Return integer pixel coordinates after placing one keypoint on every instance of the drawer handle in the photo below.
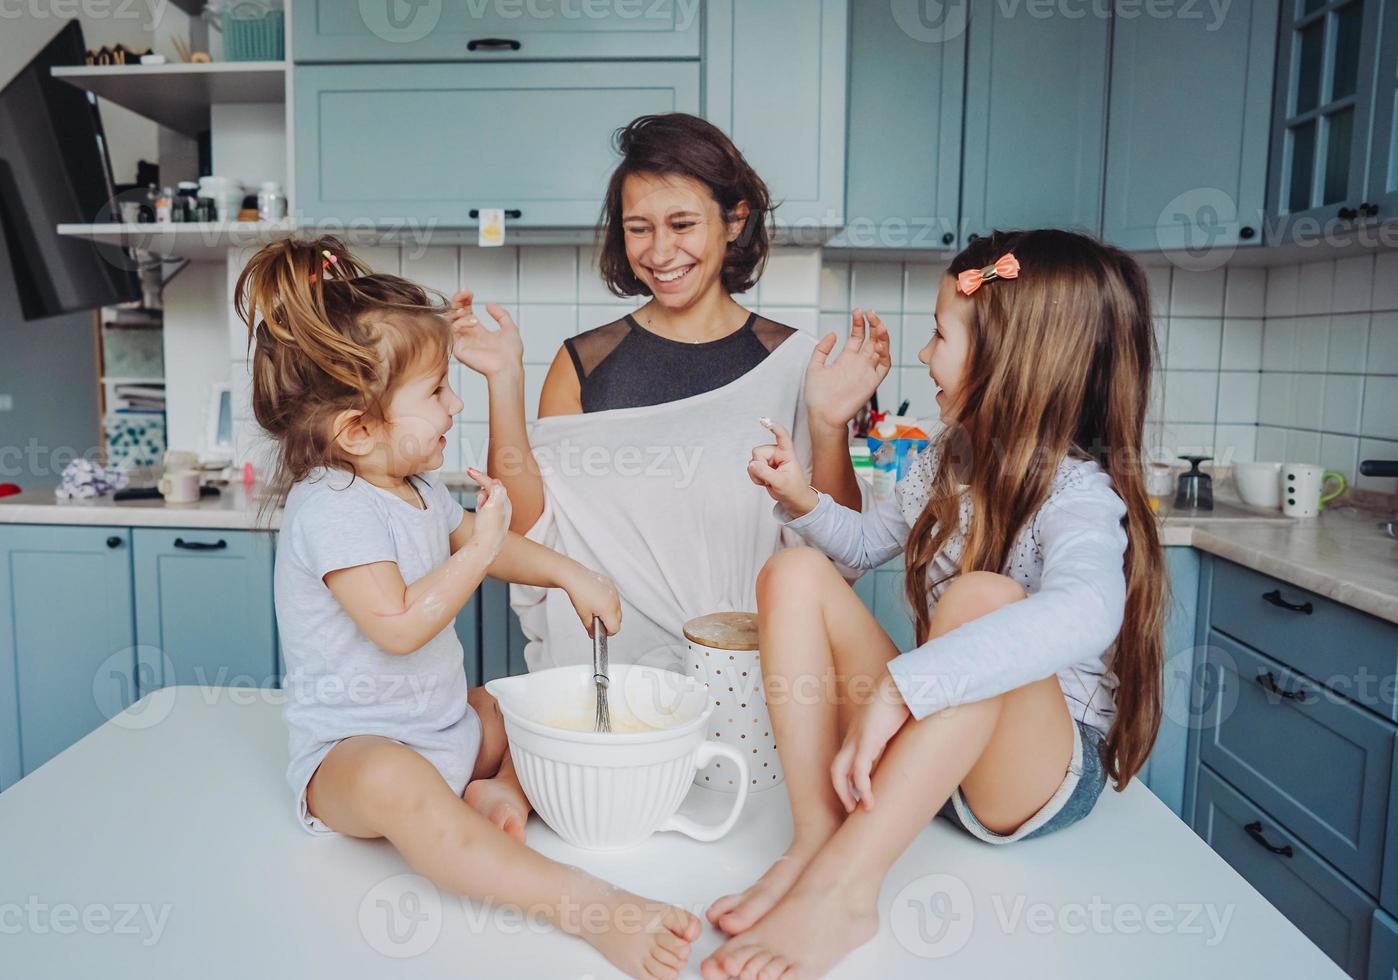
(218, 545)
(512, 213)
(1268, 681)
(493, 44)
(1254, 830)
(1275, 598)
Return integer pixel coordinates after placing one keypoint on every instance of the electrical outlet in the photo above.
(7, 403)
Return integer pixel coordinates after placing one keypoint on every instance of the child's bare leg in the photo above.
(375, 787)
(822, 652)
(494, 791)
(1008, 753)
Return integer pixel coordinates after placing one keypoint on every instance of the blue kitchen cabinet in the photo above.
(1332, 116)
(891, 607)
(533, 138)
(67, 638)
(1383, 947)
(906, 93)
(785, 111)
(1382, 192)
(1035, 124)
(1165, 770)
(204, 612)
(1187, 149)
(1388, 891)
(471, 30)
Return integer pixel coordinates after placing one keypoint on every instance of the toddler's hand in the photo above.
(492, 523)
(481, 349)
(777, 470)
(594, 596)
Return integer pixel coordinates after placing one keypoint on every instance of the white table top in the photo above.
(176, 813)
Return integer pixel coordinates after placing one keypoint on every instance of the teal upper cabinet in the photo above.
(493, 30)
(774, 80)
(204, 610)
(1035, 130)
(1324, 115)
(535, 139)
(1187, 147)
(1383, 166)
(906, 91)
(67, 641)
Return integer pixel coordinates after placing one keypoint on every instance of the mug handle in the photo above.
(164, 486)
(1325, 478)
(703, 755)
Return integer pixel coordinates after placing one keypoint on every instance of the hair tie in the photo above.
(1006, 267)
(329, 260)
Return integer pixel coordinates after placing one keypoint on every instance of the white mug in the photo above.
(1303, 488)
(740, 718)
(179, 486)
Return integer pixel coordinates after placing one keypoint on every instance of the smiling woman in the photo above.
(686, 378)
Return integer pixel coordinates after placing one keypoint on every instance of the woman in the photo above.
(631, 466)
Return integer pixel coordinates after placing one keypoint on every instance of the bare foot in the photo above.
(803, 936)
(738, 913)
(644, 939)
(501, 802)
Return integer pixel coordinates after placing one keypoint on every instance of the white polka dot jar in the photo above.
(723, 653)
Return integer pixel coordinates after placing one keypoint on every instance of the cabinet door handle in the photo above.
(1254, 830)
(114, 542)
(1369, 210)
(1247, 232)
(1347, 214)
(1275, 598)
(1269, 681)
(948, 238)
(512, 213)
(493, 44)
(218, 545)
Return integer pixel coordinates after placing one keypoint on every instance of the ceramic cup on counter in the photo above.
(723, 653)
(1303, 490)
(1259, 484)
(612, 790)
(179, 486)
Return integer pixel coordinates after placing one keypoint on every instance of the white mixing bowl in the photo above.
(610, 791)
(1259, 484)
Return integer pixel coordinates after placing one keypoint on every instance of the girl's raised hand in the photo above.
(873, 726)
(776, 469)
(836, 390)
(492, 522)
(485, 351)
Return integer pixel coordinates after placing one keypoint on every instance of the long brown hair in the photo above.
(677, 143)
(327, 336)
(1058, 363)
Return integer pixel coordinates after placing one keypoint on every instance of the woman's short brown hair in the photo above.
(687, 146)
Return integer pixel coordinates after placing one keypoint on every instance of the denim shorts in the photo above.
(1073, 800)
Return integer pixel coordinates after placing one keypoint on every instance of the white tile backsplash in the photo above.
(791, 278)
(1193, 342)
(1242, 345)
(544, 327)
(1354, 284)
(1197, 294)
(1246, 293)
(877, 286)
(1315, 290)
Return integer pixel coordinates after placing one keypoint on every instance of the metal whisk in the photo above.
(599, 675)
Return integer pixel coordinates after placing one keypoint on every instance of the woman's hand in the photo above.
(485, 351)
(777, 470)
(873, 726)
(594, 597)
(492, 523)
(836, 390)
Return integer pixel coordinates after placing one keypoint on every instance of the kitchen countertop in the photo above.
(164, 843)
(1342, 554)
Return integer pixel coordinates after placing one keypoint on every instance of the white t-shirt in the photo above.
(1069, 559)
(338, 682)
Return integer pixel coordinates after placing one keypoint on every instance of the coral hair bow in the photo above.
(1006, 267)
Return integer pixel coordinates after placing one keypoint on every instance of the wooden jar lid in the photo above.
(724, 631)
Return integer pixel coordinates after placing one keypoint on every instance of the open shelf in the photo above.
(178, 96)
(196, 241)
